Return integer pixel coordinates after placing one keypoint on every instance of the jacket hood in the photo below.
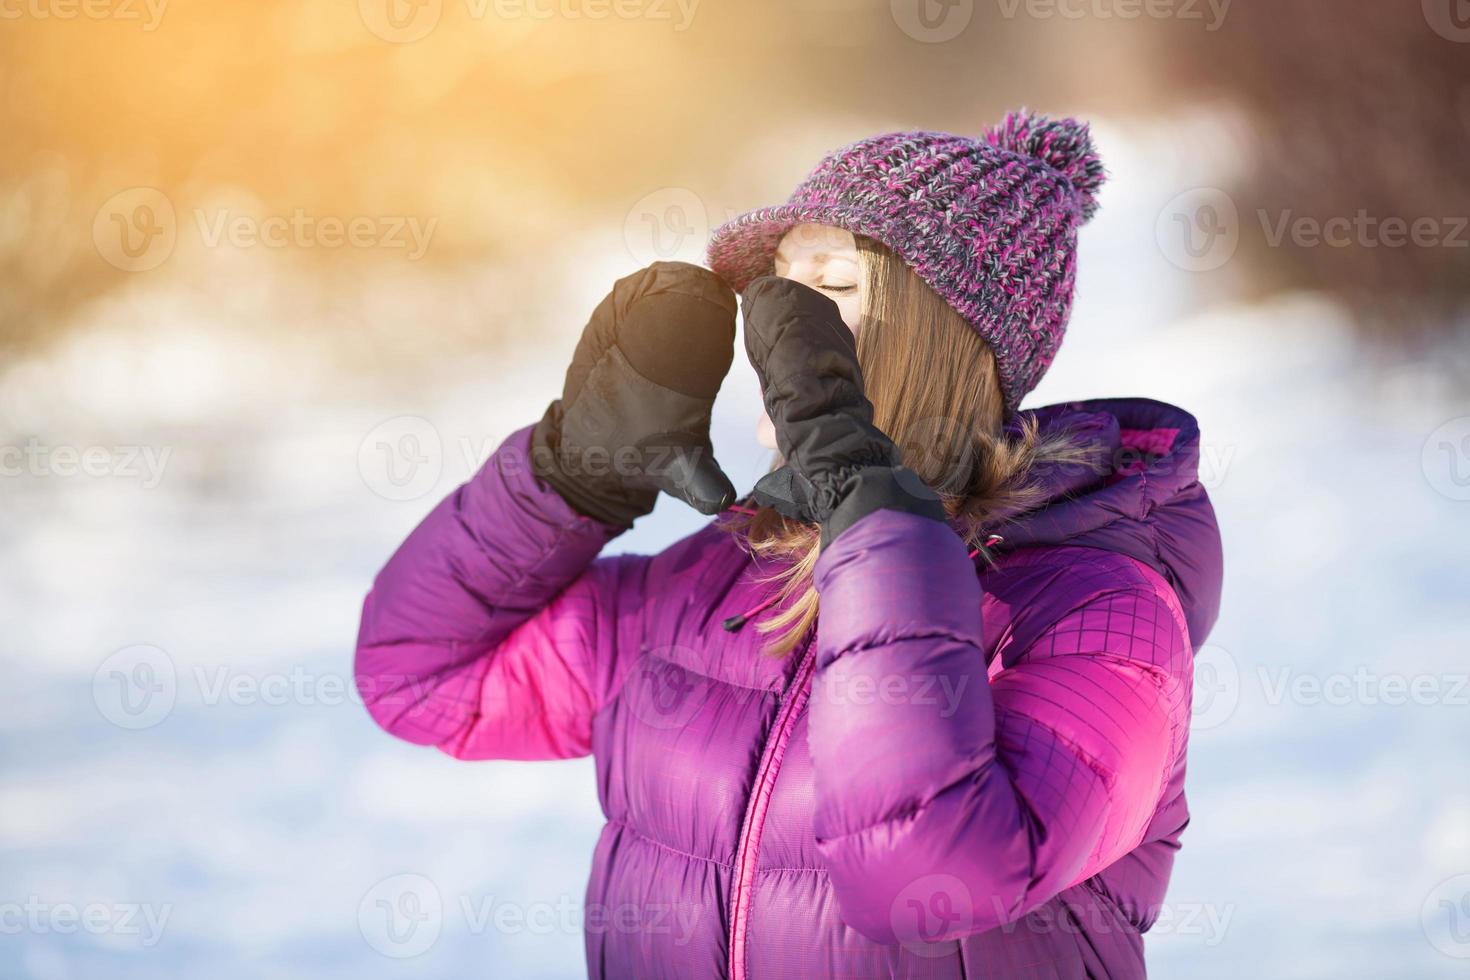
(1144, 500)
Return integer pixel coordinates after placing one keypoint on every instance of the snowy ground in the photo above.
(190, 790)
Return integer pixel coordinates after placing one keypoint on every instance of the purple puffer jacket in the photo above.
(972, 771)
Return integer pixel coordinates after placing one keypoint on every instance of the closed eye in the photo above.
(839, 289)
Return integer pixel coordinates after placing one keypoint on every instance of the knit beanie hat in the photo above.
(990, 224)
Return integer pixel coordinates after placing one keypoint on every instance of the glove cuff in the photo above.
(877, 488)
(608, 501)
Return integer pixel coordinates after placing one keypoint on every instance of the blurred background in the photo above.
(276, 276)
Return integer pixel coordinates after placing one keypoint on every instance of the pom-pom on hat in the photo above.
(990, 224)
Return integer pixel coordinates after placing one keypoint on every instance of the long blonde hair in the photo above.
(934, 388)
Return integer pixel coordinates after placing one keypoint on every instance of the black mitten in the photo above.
(634, 414)
(838, 466)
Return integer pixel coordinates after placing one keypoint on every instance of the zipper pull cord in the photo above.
(990, 542)
(735, 622)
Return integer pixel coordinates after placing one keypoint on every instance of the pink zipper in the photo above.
(748, 849)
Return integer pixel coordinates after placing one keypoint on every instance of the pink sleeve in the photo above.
(982, 797)
(492, 631)
(1090, 724)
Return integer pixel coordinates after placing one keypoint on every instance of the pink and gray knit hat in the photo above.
(990, 224)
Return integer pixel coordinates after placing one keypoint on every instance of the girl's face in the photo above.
(826, 259)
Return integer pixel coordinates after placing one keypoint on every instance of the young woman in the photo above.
(916, 708)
